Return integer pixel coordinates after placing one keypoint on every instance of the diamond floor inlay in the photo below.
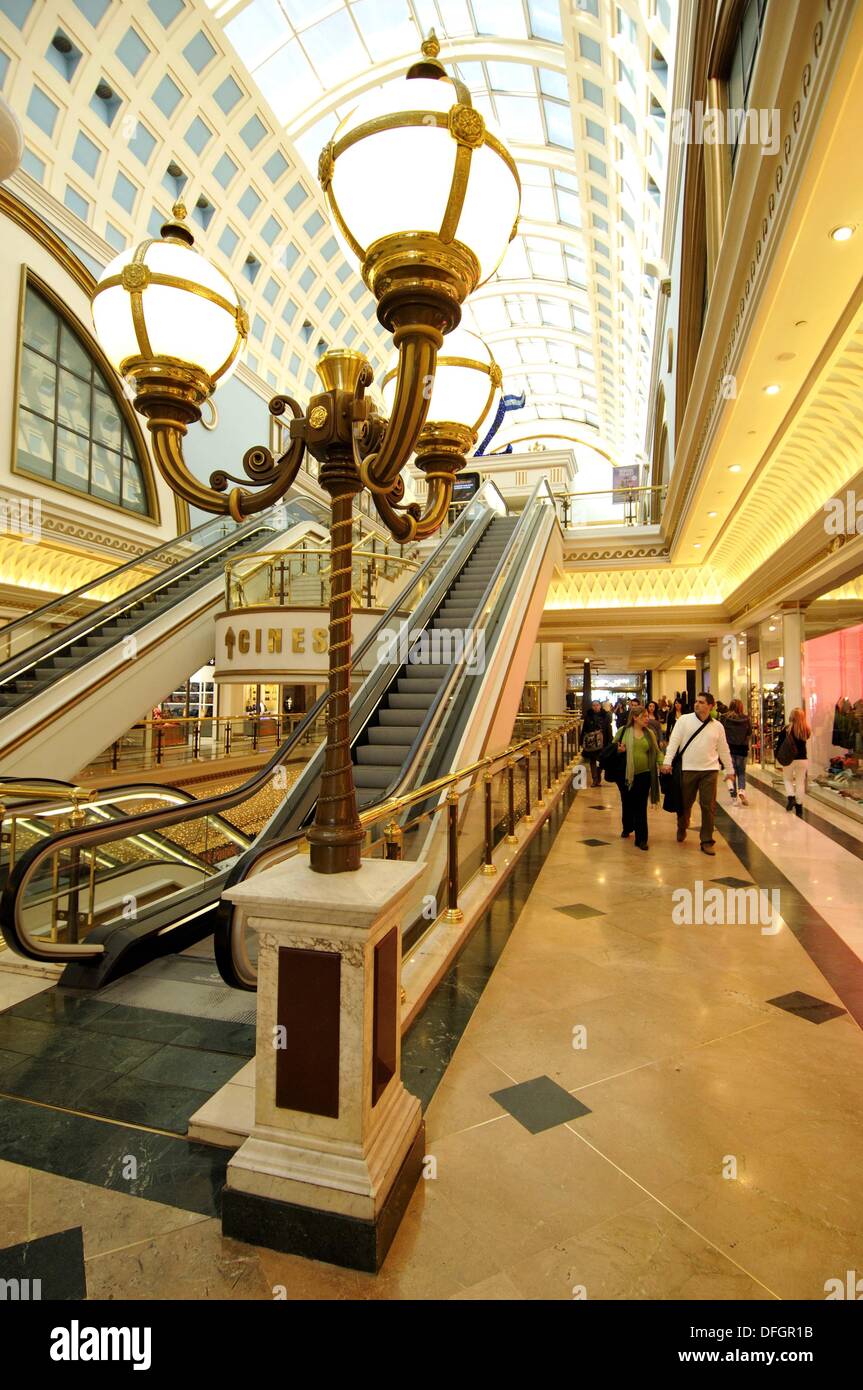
(580, 910)
(807, 1006)
(539, 1104)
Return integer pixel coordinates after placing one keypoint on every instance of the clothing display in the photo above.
(843, 776)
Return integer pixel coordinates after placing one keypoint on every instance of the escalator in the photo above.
(425, 698)
(67, 668)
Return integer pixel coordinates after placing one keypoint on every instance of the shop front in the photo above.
(833, 686)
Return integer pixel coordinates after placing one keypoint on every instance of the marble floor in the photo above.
(625, 1115)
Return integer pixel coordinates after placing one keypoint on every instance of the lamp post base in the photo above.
(337, 1144)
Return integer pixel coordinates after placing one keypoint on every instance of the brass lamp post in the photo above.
(414, 157)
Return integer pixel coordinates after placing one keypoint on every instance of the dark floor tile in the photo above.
(52, 1083)
(149, 1025)
(729, 881)
(140, 1102)
(88, 1049)
(58, 1006)
(594, 843)
(9, 1059)
(596, 808)
(807, 1006)
(24, 1035)
(217, 1036)
(581, 910)
(190, 1067)
(539, 1104)
(55, 1261)
(173, 1171)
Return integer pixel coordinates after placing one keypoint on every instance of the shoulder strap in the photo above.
(701, 726)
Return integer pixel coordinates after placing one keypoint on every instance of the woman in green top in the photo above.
(640, 780)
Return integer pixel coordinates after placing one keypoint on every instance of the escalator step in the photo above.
(410, 701)
(402, 719)
(395, 734)
(381, 755)
(378, 778)
(415, 685)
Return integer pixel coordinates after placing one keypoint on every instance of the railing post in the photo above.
(158, 745)
(555, 738)
(547, 741)
(453, 912)
(511, 837)
(227, 738)
(394, 838)
(197, 740)
(488, 867)
(255, 723)
(527, 817)
(539, 799)
(115, 754)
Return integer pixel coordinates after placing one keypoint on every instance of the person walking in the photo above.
(701, 741)
(738, 731)
(640, 778)
(675, 712)
(595, 735)
(654, 723)
(798, 730)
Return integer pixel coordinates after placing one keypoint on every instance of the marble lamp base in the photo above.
(338, 1143)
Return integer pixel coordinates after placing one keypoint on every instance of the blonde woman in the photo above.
(639, 779)
(798, 731)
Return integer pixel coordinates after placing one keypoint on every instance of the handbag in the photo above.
(612, 760)
(592, 741)
(672, 800)
(786, 752)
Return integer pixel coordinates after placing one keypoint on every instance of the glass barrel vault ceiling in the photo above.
(581, 91)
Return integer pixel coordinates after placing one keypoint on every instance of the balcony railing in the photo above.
(626, 506)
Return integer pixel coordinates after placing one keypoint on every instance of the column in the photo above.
(554, 674)
(337, 1146)
(792, 653)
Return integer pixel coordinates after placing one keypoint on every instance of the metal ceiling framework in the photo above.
(580, 92)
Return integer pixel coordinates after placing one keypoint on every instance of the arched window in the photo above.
(72, 428)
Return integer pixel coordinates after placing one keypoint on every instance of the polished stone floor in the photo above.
(632, 1109)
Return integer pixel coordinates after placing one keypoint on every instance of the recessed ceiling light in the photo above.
(734, 468)
(844, 233)
(772, 390)
(711, 514)
(697, 545)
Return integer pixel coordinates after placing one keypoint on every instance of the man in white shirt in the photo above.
(701, 762)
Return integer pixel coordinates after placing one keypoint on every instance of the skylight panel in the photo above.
(386, 27)
(537, 205)
(553, 84)
(559, 123)
(534, 176)
(473, 76)
(303, 13)
(515, 265)
(569, 208)
(456, 18)
(502, 18)
(520, 119)
(257, 31)
(545, 20)
(507, 354)
(288, 82)
(512, 77)
(335, 49)
(532, 349)
(554, 312)
(490, 315)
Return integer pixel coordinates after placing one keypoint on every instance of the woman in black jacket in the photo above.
(738, 731)
(798, 730)
(595, 735)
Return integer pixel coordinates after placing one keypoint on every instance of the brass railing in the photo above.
(184, 739)
(642, 506)
(515, 784)
(301, 575)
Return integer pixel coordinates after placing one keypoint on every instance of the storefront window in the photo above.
(833, 684)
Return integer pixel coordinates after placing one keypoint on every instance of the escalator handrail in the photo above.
(55, 642)
(91, 836)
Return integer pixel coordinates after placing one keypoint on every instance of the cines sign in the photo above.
(275, 644)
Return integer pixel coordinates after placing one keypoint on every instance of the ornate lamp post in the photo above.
(425, 197)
